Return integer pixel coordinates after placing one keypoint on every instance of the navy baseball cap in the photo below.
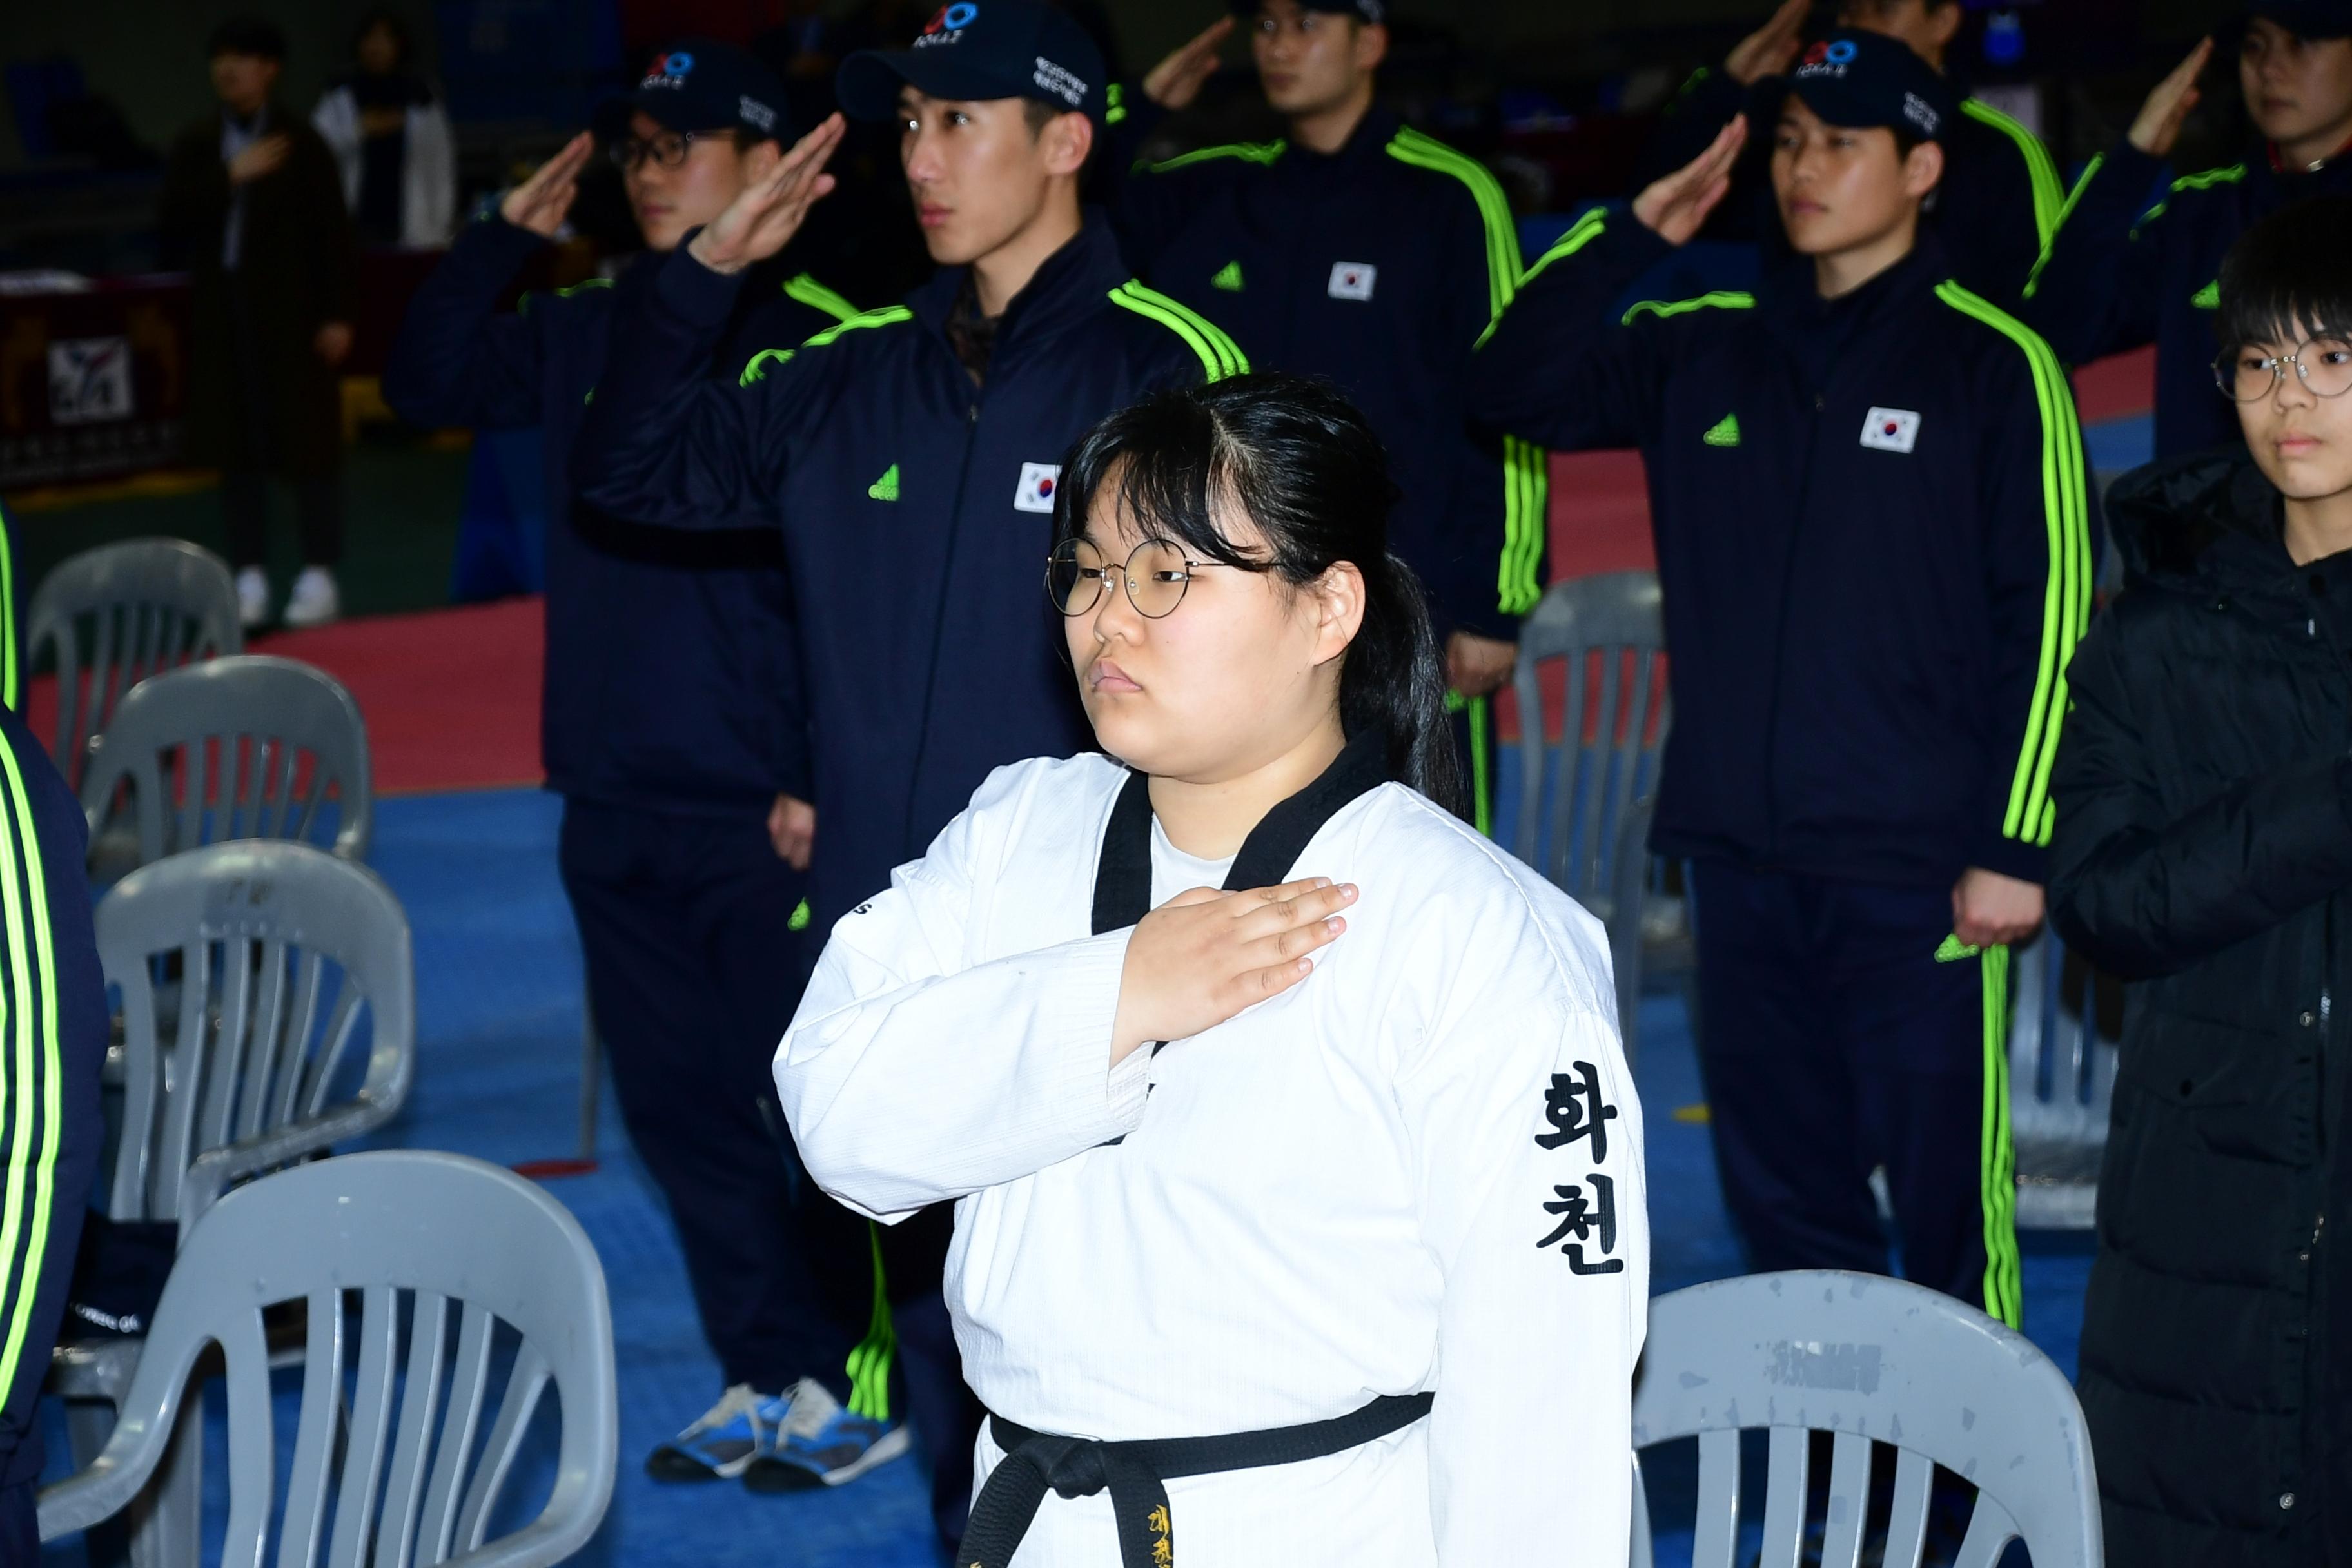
(2303, 19)
(982, 50)
(701, 84)
(1860, 80)
(1369, 12)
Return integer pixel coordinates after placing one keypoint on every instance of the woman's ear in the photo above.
(1338, 600)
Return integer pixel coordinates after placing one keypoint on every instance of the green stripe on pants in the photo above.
(2003, 1290)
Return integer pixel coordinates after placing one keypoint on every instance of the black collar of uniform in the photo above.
(1789, 306)
(1123, 875)
(1068, 286)
(1366, 145)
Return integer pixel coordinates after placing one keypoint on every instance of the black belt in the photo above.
(1134, 1473)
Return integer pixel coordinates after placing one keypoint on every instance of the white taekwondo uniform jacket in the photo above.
(1419, 1169)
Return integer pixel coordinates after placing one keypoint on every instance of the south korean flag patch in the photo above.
(1037, 483)
(1890, 429)
(1353, 280)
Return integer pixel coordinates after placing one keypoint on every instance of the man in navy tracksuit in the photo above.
(1358, 249)
(673, 727)
(1868, 495)
(53, 1032)
(2121, 273)
(1997, 205)
(910, 455)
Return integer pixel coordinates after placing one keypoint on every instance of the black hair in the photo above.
(2284, 280)
(256, 36)
(1294, 454)
(391, 21)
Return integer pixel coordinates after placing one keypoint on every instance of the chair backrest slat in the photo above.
(243, 747)
(1907, 1525)
(1849, 1505)
(1716, 1542)
(148, 604)
(252, 1446)
(1785, 1486)
(525, 1384)
(470, 1382)
(265, 1026)
(420, 1402)
(317, 1434)
(368, 1435)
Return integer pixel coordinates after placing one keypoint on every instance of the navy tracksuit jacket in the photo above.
(2121, 274)
(1376, 266)
(916, 511)
(1872, 541)
(53, 1034)
(671, 718)
(1994, 210)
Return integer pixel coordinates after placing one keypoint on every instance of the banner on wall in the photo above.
(93, 382)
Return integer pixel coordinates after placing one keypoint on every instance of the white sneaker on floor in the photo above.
(252, 596)
(314, 601)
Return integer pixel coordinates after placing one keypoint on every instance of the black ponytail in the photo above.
(1296, 457)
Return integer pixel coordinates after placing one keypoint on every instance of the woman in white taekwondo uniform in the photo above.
(1295, 1235)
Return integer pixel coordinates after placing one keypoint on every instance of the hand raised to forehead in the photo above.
(763, 220)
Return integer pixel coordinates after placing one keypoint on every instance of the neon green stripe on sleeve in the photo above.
(2041, 174)
(2066, 597)
(756, 369)
(818, 297)
(1720, 300)
(1220, 355)
(1410, 146)
(1248, 151)
(33, 1108)
(2090, 171)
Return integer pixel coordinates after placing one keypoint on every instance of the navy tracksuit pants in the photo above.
(1845, 1030)
(694, 973)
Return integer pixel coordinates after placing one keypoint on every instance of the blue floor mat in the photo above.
(500, 1021)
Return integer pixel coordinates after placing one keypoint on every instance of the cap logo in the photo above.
(1060, 82)
(1826, 58)
(1919, 112)
(670, 70)
(953, 18)
(754, 112)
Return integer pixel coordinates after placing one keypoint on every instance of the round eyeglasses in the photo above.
(2246, 375)
(1157, 572)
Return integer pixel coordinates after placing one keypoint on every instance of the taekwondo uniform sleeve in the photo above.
(667, 443)
(1554, 368)
(2095, 291)
(2038, 556)
(457, 360)
(908, 1078)
(1541, 1231)
(53, 1034)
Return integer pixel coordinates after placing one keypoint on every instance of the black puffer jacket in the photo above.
(2204, 850)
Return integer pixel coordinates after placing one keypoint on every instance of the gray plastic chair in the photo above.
(467, 1246)
(116, 614)
(231, 1069)
(243, 747)
(2062, 1081)
(1872, 1360)
(1610, 626)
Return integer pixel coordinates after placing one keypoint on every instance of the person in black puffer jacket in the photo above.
(2203, 853)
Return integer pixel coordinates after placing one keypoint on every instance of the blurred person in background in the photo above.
(2122, 273)
(391, 140)
(1362, 251)
(1998, 202)
(673, 726)
(1872, 532)
(2204, 855)
(252, 206)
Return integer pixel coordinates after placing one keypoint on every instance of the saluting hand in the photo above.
(1769, 49)
(539, 202)
(259, 158)
(1674, 208)
(1178, 80)
(1204, 955)
(763, 219)
(2158, 125)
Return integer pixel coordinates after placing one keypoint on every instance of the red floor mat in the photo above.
(451, 696)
